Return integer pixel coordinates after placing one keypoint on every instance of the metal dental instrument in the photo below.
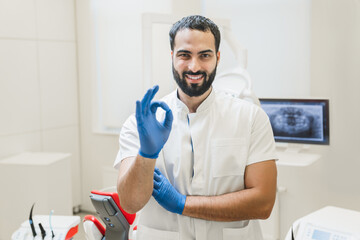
(43, 232)
(31, 221)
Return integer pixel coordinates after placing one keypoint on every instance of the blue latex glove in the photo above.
(153, 134)
(166, 195)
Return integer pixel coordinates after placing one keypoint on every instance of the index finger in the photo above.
(155, 90)
(146, 101)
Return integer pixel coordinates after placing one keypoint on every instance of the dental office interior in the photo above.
(71, 72)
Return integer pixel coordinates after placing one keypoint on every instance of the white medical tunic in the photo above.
(206, 154)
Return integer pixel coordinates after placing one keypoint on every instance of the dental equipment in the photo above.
(328, 223)
(116, 220)
(32, 222)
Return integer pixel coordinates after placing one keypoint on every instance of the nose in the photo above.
(194, 65)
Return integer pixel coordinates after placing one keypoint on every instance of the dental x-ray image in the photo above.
(303, 121)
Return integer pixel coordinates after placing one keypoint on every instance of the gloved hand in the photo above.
(153, 134)
(166, 195)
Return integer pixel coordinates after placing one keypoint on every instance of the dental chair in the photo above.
(117, 221)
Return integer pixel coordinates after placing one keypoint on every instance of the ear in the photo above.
(218, 56)
(172, 55)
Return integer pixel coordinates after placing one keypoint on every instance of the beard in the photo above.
(194, 89)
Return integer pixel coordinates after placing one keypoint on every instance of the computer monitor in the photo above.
(298, 120)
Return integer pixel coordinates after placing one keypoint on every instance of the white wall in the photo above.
(38, 81)
(336, 73)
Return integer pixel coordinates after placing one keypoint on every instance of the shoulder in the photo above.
(238, 109)
(228, 102)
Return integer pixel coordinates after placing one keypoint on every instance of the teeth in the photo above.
(194, 77)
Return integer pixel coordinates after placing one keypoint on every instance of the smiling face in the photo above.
(194, 61)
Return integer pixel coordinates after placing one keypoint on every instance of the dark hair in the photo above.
(195, 22)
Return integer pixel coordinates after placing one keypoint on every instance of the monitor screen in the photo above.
(298, 120)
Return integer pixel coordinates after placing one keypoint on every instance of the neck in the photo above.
(193, 102)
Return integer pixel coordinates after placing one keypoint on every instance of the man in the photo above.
(203, 168)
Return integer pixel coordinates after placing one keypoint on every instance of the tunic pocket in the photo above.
(147, 233)
(228, 156)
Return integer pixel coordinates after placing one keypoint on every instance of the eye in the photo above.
(184, 55)
(205, 55)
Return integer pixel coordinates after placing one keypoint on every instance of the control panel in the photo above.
(312, 232)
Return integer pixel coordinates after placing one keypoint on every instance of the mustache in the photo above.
(196, 73)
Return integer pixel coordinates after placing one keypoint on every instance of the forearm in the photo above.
(242, 205)
(254, 202)
(135, 182)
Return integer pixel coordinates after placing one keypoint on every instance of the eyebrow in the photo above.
(201, 52)
(206, 51)
(183, 51)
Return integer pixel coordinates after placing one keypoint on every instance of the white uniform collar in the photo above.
(203, 106)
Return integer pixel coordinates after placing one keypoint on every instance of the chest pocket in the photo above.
(228, 156)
